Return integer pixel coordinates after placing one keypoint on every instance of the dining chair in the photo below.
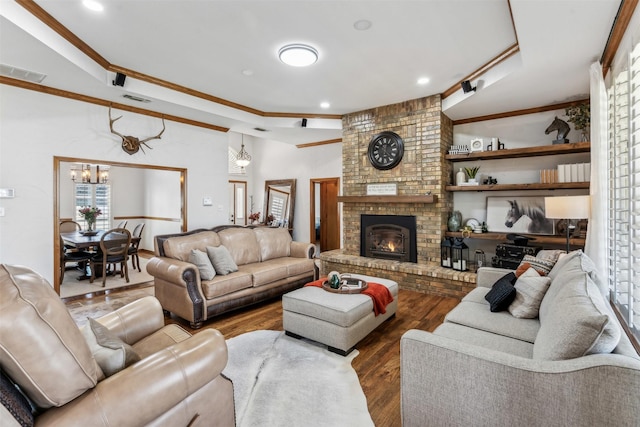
(68, 226)
(136, 237)
(123, 224)
(79, 257)
(114, 249)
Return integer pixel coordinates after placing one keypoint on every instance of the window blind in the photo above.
(624, 190)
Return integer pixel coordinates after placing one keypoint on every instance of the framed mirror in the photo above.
(279, 202)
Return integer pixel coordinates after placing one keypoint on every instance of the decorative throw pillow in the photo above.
(111, 353)
(578, 323)
(221, 260)
(502, 293)
(524, 266)
(15, 402)
(530, 289)
(550, 254)
(542, 266)
(202, 261)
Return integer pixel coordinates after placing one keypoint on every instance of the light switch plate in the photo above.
(7, 193)
(206, 201)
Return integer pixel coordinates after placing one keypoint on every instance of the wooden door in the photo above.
(324, 207)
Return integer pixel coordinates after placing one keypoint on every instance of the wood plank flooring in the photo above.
(377, 365)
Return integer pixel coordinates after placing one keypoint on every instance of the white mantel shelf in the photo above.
(387, 199)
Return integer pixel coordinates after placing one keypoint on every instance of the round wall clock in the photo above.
(476, 145)
(385, 150)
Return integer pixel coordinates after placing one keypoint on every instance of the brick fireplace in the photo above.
(427, 135)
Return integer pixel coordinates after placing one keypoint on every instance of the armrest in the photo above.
(146, 390)
(487, 276)
(136, 320)
(302, 250)
(173, 270)
(445, 381)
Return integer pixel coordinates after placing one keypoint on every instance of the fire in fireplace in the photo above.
(389, 237)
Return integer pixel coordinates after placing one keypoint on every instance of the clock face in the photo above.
(477, 145)
(385, 150)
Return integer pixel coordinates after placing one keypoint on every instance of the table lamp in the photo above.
(567, 208)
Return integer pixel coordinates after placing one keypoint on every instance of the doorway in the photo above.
(238, 202)
(325, 218)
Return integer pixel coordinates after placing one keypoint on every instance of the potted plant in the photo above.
(254, 217)
(580, 116)
(471, 173)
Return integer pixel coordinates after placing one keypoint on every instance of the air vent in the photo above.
(136, 98)
(19, 73)
(261, 129)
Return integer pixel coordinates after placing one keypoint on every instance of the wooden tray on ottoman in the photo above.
(349, 286)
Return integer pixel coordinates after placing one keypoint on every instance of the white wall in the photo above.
(35, 127)
(276, 160)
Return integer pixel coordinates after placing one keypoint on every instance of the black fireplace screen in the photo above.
(390, 237)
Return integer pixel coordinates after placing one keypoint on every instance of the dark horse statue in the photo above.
(539, 223)
(563, 129)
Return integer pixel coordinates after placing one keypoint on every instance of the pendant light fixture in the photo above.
(243, 159)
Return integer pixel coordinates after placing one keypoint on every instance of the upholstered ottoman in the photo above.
(337, 320)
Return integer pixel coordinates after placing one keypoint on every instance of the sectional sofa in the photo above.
(269, 264)
(572, 365)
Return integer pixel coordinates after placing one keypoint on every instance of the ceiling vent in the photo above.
(19, 73)
(136, 98)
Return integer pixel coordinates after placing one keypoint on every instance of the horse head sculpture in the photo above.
(563, 129)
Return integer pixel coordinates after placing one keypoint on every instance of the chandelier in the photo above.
(243, 158)
(86, 175)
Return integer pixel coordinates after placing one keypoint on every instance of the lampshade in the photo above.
(567, 207)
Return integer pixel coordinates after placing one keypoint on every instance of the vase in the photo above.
(90, 225)
(455, 221)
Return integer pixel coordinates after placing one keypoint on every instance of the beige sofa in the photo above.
(562, 368)
(269, 264)
(61, 368)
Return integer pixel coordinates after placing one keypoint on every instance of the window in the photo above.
(98, 195)
(624, 190)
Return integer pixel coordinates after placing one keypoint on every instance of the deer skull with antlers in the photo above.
(131, 144)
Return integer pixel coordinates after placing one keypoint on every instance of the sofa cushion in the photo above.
(266, 272)
(578, 323)
(569, 268)
(44, 352)
(477, 316)
(202, 261)
(223, 285)
(502, 293)
(221, 260)
(485, 339)
(242, 245)
(274, 242)
(111, 353)
(180, 247)
(530, 289)
(542, 266)
(477, 295)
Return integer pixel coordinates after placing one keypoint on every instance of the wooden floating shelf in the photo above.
(539, 239)
(387, 199)
(544, 150)
(509, 187)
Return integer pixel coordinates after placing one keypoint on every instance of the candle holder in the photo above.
(459, 255)
(445, 252)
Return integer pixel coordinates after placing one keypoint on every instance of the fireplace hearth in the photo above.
(391, 237)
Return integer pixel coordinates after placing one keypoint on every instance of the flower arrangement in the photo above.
(90, 214)
(472, 172)
(579, 115)
(270, 219)
(255, 216)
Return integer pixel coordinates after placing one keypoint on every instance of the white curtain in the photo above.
(595, 246)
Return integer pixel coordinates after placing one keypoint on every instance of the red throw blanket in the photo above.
(379, 294)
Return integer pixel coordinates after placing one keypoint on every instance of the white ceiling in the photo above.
(206, 46)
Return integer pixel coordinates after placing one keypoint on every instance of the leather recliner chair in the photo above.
(177, 380)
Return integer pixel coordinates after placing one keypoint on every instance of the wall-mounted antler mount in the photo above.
(131, 144)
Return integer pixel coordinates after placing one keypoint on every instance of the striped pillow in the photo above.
(542, 266)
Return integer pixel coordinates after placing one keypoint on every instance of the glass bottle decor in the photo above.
(460, 177)
(455, 221)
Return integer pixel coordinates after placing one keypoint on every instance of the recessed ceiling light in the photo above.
(362, 25)
(247, 72)
(325, 105)
(93, 5)
(423, 80)
(298, 55)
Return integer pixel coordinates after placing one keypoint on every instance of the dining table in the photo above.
(83, 241)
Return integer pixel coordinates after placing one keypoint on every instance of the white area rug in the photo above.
(72, 287)
(283, 381)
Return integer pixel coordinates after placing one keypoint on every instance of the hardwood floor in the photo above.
(377, 365)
